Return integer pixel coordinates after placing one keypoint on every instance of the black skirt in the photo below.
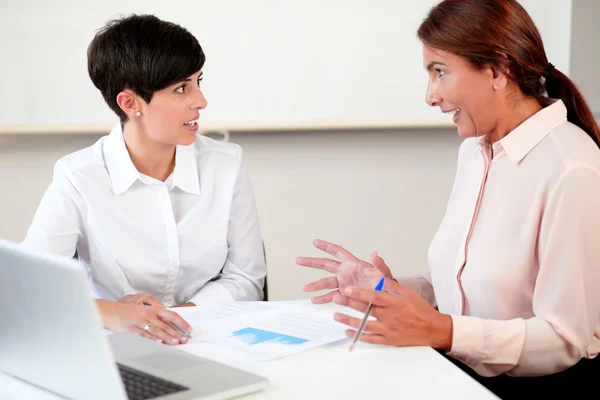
(571, 383)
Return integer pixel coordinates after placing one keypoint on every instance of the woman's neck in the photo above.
(149, 157)
(512, 116)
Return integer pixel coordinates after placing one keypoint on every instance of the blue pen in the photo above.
(364, 321)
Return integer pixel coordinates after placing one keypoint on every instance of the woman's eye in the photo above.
(440, 73)
(199, 81)
(180, 89)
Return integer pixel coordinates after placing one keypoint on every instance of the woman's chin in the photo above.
(187, 139)
(466, 132)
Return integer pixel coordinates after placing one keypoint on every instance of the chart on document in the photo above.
(254, 336)
(268, 332)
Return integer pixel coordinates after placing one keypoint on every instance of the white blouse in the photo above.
(195, 237)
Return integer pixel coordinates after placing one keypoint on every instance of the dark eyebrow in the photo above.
(189, 79)
(433, 64)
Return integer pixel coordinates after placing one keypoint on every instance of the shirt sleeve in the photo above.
(56, 225)
(565, 299)
(243, 274)
(420, 284)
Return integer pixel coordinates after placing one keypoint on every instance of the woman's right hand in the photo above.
(150, 322)
(348, 271)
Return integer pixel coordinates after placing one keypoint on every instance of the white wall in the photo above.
(313, 61)
(380, 191)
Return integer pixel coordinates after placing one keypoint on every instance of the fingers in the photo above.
(370, 296)
(151, 321)
(164, 332)
(367, 337)
(140, 298)
(380, 264)
(337, 251)
(141, 332)
(160, 324)
(394, 287)
(370, 326)
(376, 258)
(129, 299)
(377, 261)
(322, 284)
(362, 264)
(150, 299)
(340, 299)
(356, 265)
(174, 318)
(355, 304)
(320, 263)
(137, 298)
(326, 298)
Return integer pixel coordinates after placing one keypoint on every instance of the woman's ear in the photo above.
(499, 74)
(129, 102)
(499, 78)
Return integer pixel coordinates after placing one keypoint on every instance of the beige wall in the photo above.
(382, 191)
(585, 50)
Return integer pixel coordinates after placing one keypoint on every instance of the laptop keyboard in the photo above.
(142, 386)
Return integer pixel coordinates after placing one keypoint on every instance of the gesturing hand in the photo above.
(402, 317)
(347, 271)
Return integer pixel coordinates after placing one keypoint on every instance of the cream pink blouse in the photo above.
(516, 259)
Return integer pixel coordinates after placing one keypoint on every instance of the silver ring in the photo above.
(147, 327)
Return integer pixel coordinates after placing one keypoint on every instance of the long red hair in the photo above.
(500, 34)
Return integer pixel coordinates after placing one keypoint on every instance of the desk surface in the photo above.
(331, 371)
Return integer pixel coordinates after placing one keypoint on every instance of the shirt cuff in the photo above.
(477, 341)
(212, 293)
(468, 337)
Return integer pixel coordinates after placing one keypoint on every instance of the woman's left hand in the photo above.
(402, 317)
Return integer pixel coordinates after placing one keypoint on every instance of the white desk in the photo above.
(369, 371)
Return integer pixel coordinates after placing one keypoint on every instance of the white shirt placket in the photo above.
(172, 249)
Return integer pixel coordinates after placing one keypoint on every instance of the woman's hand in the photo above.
(150, 322)
(188, 304)
(402, 317)
(140, 298)
(347, 271)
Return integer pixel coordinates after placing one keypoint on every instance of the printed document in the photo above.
(262, 330)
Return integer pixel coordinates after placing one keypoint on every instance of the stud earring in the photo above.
(138, 114)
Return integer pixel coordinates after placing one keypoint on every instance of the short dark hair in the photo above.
(141, 53)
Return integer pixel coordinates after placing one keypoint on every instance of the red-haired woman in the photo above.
(513, 288)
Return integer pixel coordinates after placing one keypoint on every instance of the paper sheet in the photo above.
(199, 316)
(261, 330)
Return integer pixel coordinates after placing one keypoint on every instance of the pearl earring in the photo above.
(138, 114)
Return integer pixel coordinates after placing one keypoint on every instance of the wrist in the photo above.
(106, 309)
(442, 333)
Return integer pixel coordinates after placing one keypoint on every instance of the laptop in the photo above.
(51, 336)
